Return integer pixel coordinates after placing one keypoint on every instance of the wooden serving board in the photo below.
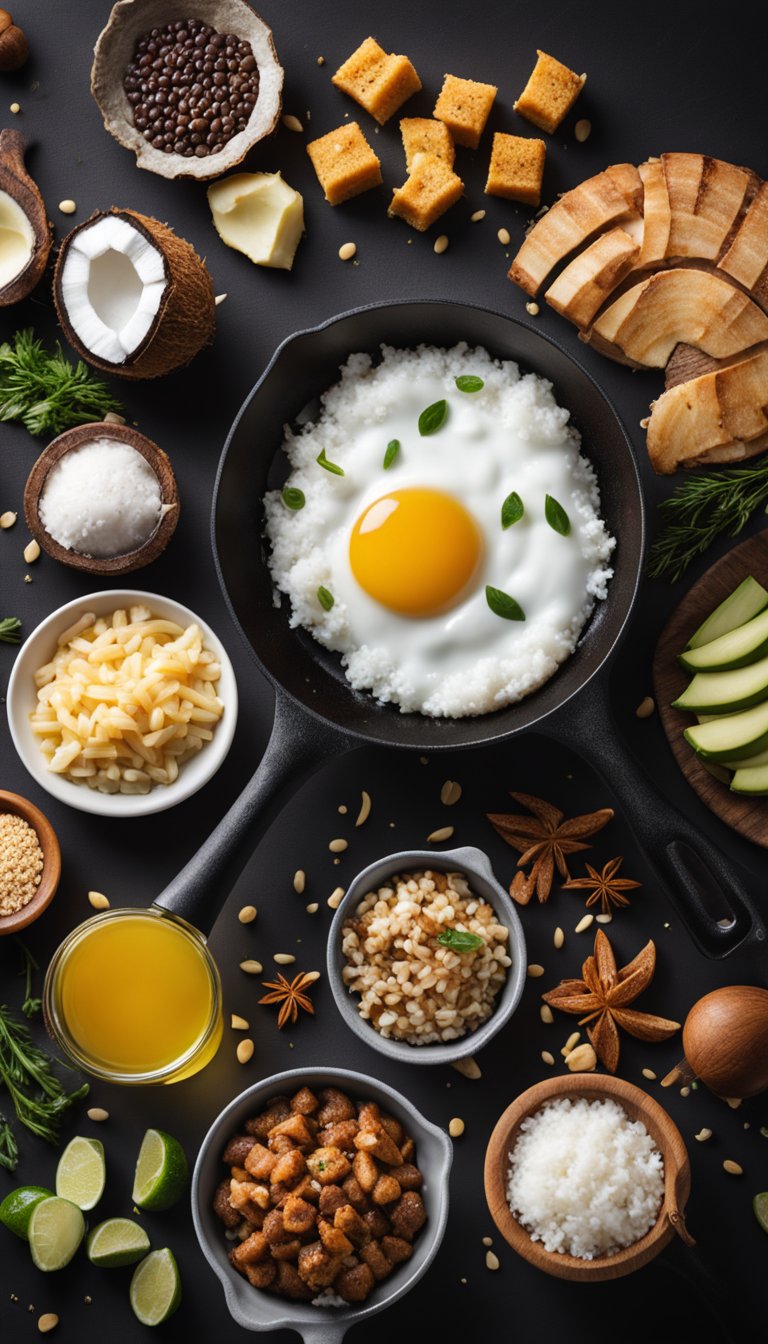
(748, 816)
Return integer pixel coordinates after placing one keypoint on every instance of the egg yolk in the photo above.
(415, 551)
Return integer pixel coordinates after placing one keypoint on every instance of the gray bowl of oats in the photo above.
(426, 955)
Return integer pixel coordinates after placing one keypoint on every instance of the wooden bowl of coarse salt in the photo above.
(102, 498)
(30, 862)
(566, 1207)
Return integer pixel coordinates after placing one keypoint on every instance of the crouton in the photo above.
(299, 1217)
(516, 168)
(379, 1145)
(345, 166)
(354, 1193)
(377, 1223)
(393, 1128)
(373, 1256)
(332, 1197)
(396, 1249)
(259, 1162)
(274, 1228)
(365, 1171)
(305, 1102)
(550, 93)
(355, 1284)
(237, 1150)
(316, 1267)
(288, 1169)
(408, 1176)
(464, 106)
(260, 1125)
(222, 1207)
(254, 1248)
(425, 135)
(334, 1106)
(408, 1215)
(296, 1128)
(386, 1190)
(379, 82)
(261, 1275)
(369, 1115)
(329, 1166)
(341, 1135)
(333, 1239)
(290, 1283)
(430, 190)
(248, 1197)
(286, 1250)
(348, 1221)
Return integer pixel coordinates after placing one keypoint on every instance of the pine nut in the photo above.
(582, 129)
(646, 708)
(67, 207)
(559, 937)
(311, 977)
(284, 958)
(648, 1073)
(251, 967)
(31, 552)
(321, 60)
(535, 970)
(456, 1127)
(487, 1241)
(15, 109)
(342, 809)
(97, 1114)
(299, 880)
(467, 1067)
(703, 1135)
(220, 299)
(442, 833)
(98, 900)
(238, 1023)
(312, 908)
(605, 918)
(477, 216)
(7, 519)
(338, 846)
(441, 244)
(47, 1322)
(247, 914)
(504, 237)
(245, 1050)
(492, 1260)
(450, 793)
(548, 1057)
(732, 1168)
(365, 809)
(733, 1102)
(336, 897)
(347, 251)
(685, 1091)
(546, 1014)
(582, 1059)
(533, 308)
(571, 1043)
(292, 123)
(584, 923)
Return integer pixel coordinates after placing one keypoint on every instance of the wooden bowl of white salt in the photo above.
(583, 1176)
(102, 498)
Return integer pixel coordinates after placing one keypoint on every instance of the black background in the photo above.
(660, 78)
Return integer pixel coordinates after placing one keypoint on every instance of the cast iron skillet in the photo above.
(317, 714)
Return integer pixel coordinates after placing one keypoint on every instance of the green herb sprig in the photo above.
(393, 448)
(31, 1005)
(433, 418)
(325, 598)
(333, 467)
(702, 509)
(469, 382)
(512, 510)
(503, 605)
(556, 516)
(9, 630)
(45, 392)
(39, 1097)
(459, 940)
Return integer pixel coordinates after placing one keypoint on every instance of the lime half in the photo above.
(82, 1173)
(162, 1172)
(117, 1241)
(759, 1204)
(56, 1229)
(156, 1288)
(17, 1208)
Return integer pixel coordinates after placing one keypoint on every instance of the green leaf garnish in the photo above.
(9, 630)
(459, 941)
(329, 466)
(325, 598)
(469, 382)
(512, 510)
(293, 498)
(393, 448)
(47, 393)
(556, 516)
(433, 418)
(503, 605)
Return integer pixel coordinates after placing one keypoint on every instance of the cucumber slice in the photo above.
(726, 692)
(760, 758)
(752, 779)
(732, 738)
(739, 607)
(740, 647)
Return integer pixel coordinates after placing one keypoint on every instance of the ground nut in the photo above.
(292, 123)
(32, 551)
(492, 1260)
(48, 1321)
(456, 1127)
(98, 900)
(247, 914)
(582, 1060)
(584, 923)
(535, 970)
(646, 708)
(299, 880)
(503, 236)
(245, 1050)
(8, 518)
(97, 1114)
(442, 833)
(336, 897)
(558, 938)
(733, 1168)
(238, 1023)
(347, 251)
(251, 967)
(440, 244)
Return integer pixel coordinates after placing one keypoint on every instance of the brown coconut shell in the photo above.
(128, 21)
(15, 180)
(186, 318)
(169, 494)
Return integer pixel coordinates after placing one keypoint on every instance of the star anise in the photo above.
(544, 840)
(606, 887)
(290, 995)
(602, 996)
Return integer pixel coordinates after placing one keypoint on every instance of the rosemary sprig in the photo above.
(44, 391)
(9, 1148)
(702, 509)
(39, 1097)
(9, 630)
(31, 1004)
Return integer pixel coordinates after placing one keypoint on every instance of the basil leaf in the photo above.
(503, 605)
(469, 382)
(459, 941)
(329, 466)
(393, 448)
(556, 516)
(325, 598)
(293, 498)
(512, 510)
(433, 418)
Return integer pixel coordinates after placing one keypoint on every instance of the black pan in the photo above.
(318, 715)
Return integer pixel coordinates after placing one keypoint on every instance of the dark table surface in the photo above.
(659, 79)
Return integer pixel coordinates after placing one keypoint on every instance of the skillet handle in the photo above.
(324, 1332)
(673, 844)
(297, 745)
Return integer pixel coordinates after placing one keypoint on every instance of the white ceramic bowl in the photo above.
(22, 698)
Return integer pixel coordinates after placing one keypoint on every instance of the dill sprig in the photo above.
(702, 509)
(44, 391)
(9, 630)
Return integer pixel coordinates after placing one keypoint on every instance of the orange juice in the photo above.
(133, 995)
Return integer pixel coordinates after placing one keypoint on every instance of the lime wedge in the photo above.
(162, 1172)
(81, 1173)
(17, 1207)
(56, 1229)
(156, 1288)
(760, 1205)
(117, 1241)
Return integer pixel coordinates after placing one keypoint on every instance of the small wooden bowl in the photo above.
(49, 878)
(113, 564)
(666, 1136)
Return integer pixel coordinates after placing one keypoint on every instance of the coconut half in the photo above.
(128, 21)
(132, 297)
(25, 234)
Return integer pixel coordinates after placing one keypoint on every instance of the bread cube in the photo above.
(345, 163)
(379, 82)
(516, 168)
(464, 106)
(550, 93)
(424, 135)
(427, 193)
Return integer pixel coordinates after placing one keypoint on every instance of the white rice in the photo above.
(584, 1179)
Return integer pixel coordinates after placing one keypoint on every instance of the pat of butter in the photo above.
(260, 215)
(17, 239)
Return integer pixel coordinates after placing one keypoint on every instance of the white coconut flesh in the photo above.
(112, 284)
(17, 239)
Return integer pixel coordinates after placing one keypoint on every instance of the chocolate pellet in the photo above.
(191, 89)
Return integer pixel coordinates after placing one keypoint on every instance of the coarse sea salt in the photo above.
(101, 499)
(584, 1179)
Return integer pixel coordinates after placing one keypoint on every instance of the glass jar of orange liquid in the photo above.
(134, 996)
